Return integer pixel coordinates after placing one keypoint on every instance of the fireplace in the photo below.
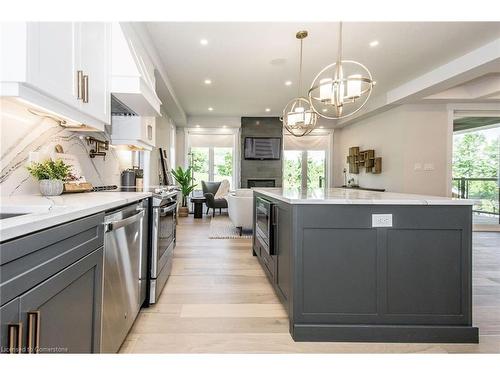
(261, 182)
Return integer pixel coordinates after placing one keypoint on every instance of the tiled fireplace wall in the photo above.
(261, 169)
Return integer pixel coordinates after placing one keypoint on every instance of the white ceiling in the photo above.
(239, 58)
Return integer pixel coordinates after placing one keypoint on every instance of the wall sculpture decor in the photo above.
(366, 159)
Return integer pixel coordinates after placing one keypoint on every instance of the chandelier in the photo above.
(298, 116)
(341, 89)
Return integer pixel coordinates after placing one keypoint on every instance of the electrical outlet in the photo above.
(381, 220)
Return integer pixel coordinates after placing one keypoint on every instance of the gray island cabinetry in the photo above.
(368, 266)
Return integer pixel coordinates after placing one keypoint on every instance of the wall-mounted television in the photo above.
(262, 148)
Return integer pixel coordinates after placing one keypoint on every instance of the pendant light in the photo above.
(298, 116)
(341, 89)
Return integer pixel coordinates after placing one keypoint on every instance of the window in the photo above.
(305, 161)
(212, 157)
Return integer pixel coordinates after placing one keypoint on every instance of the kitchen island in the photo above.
(352, 265)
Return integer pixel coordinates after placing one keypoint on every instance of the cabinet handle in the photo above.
(79, 84)
(15, 337)
(85, 88)
(34, 332)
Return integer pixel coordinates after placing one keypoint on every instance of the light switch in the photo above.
(381, 220)
(417, 166)
(428, 166)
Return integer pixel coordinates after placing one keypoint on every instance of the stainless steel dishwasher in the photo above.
(123, 249)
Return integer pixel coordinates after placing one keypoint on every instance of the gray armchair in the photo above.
(209, 190)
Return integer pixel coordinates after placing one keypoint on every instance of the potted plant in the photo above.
(50, 175)
(185, 180)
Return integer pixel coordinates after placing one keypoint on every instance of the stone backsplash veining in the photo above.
(22, 133)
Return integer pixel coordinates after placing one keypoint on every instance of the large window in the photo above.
(212, 157)
(305, 162)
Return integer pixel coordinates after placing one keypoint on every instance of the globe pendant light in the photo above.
(298, 116)
(341, 89)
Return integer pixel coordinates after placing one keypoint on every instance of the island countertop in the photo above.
(44, 212)
(350, 196)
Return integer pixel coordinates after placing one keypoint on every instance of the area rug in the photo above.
(221, 227)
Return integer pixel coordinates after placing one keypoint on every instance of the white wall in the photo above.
(213, 122)
(403, 136)
(163, 134)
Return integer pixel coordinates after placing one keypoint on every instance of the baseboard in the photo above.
(406, 334)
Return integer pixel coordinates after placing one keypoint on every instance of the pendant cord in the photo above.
(300, 69)
(340, 43)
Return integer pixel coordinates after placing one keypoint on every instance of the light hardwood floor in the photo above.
(218, 300)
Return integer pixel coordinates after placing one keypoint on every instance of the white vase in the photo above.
(51, 187)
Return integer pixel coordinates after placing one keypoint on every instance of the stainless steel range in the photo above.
(163, 223)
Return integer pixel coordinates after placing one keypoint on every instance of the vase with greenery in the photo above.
(185, 180)
(50, 175)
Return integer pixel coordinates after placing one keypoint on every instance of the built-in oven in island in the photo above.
(163, 228)
(264, 213)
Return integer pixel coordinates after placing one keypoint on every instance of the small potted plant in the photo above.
(185, 180)
(50, 175)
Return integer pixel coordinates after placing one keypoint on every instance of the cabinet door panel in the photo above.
(9, 314)
(51, 59)
(94, 42)
(340, 274)
(69, 306)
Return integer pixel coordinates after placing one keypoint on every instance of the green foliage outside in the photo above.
(226, 169)
(50, 170)
(293, 169)
(223, 168)
(474, 156)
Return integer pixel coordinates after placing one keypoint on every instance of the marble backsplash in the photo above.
(22, 133)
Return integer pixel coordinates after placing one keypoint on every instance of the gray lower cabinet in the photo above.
(51, 289)
(63, 314)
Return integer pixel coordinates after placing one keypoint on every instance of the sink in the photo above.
(9, 215)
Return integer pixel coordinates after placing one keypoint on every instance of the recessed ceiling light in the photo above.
(203, 42)
(374, 43)
(197, 125)
(288, 83)
(210, 109)
(224, 126)
(324, 109)
(208, 82)
(268, 109)
(321, 127)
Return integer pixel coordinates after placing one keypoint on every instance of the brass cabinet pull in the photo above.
(79, 84)
(34, 332)
(85, 88)
(15, 337)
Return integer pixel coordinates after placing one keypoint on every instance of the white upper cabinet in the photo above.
(51, 59)
(63, 67)
(95, 63)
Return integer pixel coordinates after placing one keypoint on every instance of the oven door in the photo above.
(263, 211)
(263, 215)
(163, 237)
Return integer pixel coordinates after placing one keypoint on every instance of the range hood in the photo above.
(133, 79)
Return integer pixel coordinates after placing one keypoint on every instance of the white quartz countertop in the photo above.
(354, 196)
(45, 212)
